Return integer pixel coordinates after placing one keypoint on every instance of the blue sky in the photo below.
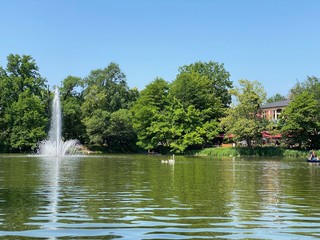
(276, 42)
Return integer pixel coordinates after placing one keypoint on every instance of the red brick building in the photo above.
(272, 111)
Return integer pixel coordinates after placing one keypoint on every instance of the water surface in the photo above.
(138, 197)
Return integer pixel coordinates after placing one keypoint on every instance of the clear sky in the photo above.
(276, 42)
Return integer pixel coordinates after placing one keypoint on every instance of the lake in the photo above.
(138, 197)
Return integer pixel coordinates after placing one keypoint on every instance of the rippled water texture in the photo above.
(138, 197)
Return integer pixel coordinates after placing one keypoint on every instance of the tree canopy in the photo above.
(275, 98)
(243, 120)
(106, 92)
(23, 104)
(300, 121)
(187, 113)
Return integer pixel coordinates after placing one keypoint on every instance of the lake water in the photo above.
(138, 197)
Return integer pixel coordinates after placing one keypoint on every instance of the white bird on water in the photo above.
(169, 161)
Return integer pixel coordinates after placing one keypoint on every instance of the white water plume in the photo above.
(55, 146)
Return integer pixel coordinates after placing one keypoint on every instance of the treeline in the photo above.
(102, 110)
(298, 124)
(186, 114)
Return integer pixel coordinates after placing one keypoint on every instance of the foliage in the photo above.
(120, 132)
(72, 98)
(218, 79)
(23, 104)
(178, 129)
(110, 83)
(311, 85)
(205, 86)
(105, 92)
(183, 115)
(96, 126)
(29, 122)
(202, 90)
(152, 102)
(256, 151)
(300, 122)
(275, 98)
(243, 120)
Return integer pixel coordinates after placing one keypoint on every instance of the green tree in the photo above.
(71, 99)
(218, 80)
(311, 84)
(111, 82)
(300, 122)
(145, 111)
(29, 122)
(243, 120)
(202, 90)
(275, 98)
(193, 89)
(120, 134)
(185, 114)
(97, 125)
(23, 104)
(177, 129)
(105, 92)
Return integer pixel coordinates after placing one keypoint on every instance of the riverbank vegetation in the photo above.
(245, 151)
(191, 113)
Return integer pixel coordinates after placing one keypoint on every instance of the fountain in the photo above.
(55, 146)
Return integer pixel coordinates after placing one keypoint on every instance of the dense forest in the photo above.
(188, 113)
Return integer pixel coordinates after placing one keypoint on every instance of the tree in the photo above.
(29, 122)
(71, 99)
(275, 98)
(185, 114)
(243, 120)
(105, 92)
(23, 104)
(205, 86)
(300, 122)
(202, 90)
(218, 79)
(97, 125)
(152, 102)
(311, 84)
(111, 82)
(193, 89)
(120, 134)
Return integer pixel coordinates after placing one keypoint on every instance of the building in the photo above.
(272, 111)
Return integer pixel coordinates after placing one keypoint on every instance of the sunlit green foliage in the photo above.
(101, 109)
(71, 93)
(243, 120)
(23, 104)
(256, 151)
(120, 133)
(300, 122)
(275, 98)
(311, 85)
(185, 114)
(105, 93)
(148, 110)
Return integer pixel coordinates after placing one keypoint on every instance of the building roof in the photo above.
(278, 104)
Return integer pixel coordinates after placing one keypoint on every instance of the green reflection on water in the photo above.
(194, 197)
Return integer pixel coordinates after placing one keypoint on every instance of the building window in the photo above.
(278, 113)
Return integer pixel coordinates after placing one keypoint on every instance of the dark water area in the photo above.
(138, 197)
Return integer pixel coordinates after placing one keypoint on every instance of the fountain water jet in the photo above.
(55, 146)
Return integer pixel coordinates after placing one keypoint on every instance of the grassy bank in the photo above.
(257, 151)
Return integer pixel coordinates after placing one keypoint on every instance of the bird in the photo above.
(169, 161)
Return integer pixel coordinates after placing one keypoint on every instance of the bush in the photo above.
(256, 151)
